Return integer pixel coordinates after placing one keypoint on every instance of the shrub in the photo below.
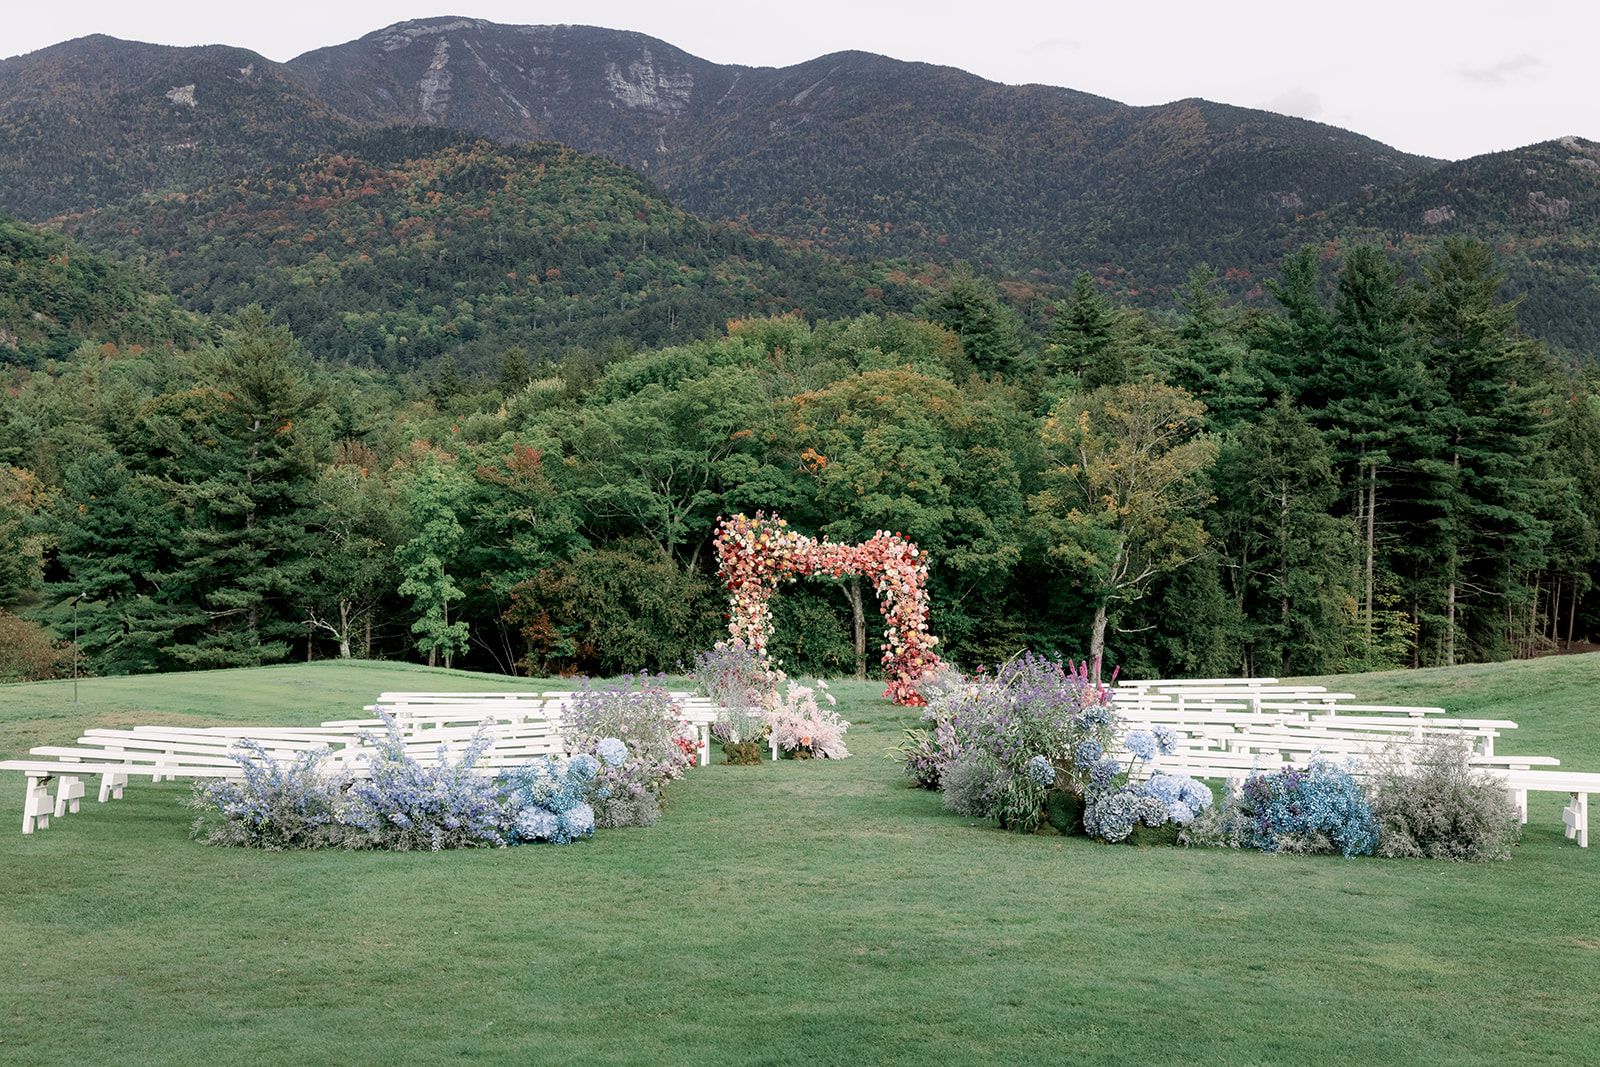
(919, 756)
(1031, 711)
(641, 714)
(731, 674)
(613, 609)
(292, 804)
(30, 654)
(1434, 805)
(734, 677)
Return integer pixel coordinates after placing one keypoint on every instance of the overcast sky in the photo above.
(1448, 78)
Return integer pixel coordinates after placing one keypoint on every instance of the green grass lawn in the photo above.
(793, 913)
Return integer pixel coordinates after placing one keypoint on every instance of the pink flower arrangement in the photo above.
(802, 728)
(755, 554)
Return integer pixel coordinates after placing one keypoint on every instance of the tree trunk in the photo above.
(1283, 571)
(1532, 638)
(344, 629)
(1372, 526)
(366, 643)
(1554, 613)
(1572, 614)
(449, 652)
(1097, 640)
(1450, 620)
(858, 617)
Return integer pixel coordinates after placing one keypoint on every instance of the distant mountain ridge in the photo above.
(96, 120)
(853, 153)
(866, 154)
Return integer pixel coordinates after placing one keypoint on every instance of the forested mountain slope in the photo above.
(1539, 207)
(55, 295)
(95, 120)
(410, 244)
(868, 154)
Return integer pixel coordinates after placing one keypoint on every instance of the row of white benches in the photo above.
(1228, 728)
(519, 726)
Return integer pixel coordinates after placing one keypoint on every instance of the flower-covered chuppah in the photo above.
(755, 554)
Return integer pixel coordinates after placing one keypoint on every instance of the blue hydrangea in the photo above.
(1039, 769)
(1322, 799)
(1087, 753)
(583, 767)
(1104, 773)
(536, 824)
(576, 822)
(1183, 797)
(613, 751)
(1195, 794)
(1141, 743)
(1151, 811)
(1166, 739)
(1111, 815)
(1165, 788)
(1093, 716)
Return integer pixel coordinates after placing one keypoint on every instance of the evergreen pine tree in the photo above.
(245, 476)
(1210, 361)
(1493, 535)
(1287, 557)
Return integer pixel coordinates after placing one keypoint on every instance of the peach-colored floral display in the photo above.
(755, 554)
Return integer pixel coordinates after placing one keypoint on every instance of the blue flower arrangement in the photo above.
(1301, 807)
(403, 803)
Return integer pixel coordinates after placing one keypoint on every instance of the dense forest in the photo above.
(1375, 470)
(413, 244)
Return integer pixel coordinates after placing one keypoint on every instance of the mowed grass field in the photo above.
(808, 913)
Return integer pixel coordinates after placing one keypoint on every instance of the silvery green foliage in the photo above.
(1029, 707)
(1431, 803)
(973, 785)
(731, 674)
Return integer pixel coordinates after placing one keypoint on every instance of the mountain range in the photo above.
(851, 154)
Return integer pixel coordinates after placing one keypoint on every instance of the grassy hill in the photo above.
(788, 913)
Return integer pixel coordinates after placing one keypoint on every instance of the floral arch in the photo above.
(755, 554)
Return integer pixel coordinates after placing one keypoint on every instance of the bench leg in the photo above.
(36, 804)
(705, 745)
(111, 784)
(1519, 797)
(68, 793)
(1575, 816)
